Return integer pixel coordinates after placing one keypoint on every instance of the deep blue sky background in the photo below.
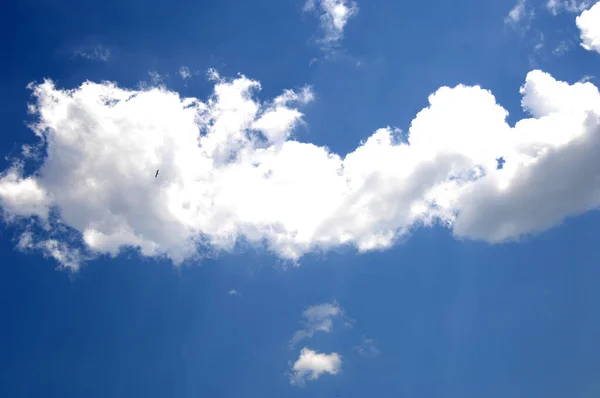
(450, 319)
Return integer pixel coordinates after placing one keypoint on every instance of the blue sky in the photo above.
(328, 217)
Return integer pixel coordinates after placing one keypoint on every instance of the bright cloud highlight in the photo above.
(311, 365)
(231, 171)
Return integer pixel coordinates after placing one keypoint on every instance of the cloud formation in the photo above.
(589, 26)
(334, 17)
(311, 365)
(318, 318)
(232, 173)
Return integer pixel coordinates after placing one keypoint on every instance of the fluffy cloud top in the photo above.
(311, 365)
(334, 17)
(231, 171)
(318, 318)
(589, 26)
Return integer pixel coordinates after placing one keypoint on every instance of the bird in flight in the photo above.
(156, 174)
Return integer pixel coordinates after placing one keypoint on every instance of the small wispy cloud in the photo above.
(334, 17)
(520, 16)
(233, 292)
(541, 43)
(311, 365)
(93, 53)
(184, 72)
(573, 6)
(69, 258)
(562, 48)
(213, 75)
(318, 318)
(367, 348)
(156, 78)
(302, 96)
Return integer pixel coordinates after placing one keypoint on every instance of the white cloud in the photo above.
(66, 256)
(589, 26)
(334, 17)
(519, 15)
(574, 6)
(233, 292)
(22, 197)
(311, 365)
(318, 318)
(230, 170)
(184, 72)
(93, 53)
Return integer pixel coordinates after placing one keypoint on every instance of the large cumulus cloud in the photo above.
(231, 170)
(589, 26)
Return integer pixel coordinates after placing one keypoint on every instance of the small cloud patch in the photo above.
(93, 53)
(184, 72)
(572, 6)
(334, 15)
(318, 318)
(311, 365)
(367, 348)
(520, 16)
